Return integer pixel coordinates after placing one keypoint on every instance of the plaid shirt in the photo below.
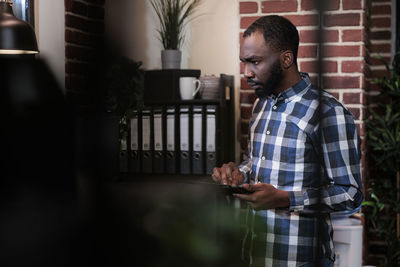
(283, 151)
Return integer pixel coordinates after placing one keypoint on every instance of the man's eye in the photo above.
(255, 62)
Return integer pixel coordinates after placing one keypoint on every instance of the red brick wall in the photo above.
(84, 34)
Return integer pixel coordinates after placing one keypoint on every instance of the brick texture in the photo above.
(312, 66)
(307, 51)
(352, 35)
(84, 35)
(328, 5)
(352, 4)
(350, 19)
(248, 7)
(279, 6)
(311, 36)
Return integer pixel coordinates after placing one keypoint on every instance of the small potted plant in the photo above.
(125, 85)
(173, 16)
(125, 82)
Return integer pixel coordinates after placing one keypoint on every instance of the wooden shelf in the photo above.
(225, 128)
(185, 102)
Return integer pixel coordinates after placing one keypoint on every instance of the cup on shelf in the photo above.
(188, 87)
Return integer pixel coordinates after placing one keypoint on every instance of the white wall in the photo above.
(50, 32)
(214, 46)
(212, 43)
(131, 27)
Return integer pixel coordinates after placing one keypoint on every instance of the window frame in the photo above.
(27, 13)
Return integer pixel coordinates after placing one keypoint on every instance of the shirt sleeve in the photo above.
(340, 146)
(245, 166)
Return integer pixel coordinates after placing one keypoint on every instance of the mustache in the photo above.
(253, 82)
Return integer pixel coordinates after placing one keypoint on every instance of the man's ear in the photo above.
(287, 59)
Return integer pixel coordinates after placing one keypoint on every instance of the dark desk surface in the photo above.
(175, 177)
(174, 220)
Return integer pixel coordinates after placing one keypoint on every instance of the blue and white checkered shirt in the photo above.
(284, 147)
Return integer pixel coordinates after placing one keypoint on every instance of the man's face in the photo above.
(262, 64)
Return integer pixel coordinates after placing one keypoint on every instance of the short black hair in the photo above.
(278, 32)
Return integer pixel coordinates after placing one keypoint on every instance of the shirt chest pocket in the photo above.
(288, 146)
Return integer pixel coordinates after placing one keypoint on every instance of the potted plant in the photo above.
(173, 16)
(382, 205)
(125, 82)
(125, 85)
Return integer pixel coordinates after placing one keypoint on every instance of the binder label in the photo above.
(197, 130)
(146, 132)
(184, 131)
(210, 133)
(123, 144)
(158, 145)
(171, 132)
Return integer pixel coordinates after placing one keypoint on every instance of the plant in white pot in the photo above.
(173, 16)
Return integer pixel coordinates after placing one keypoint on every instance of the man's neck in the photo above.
(290, 78)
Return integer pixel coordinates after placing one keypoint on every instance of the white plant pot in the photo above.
(171, 59)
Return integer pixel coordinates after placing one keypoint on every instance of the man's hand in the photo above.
(265, 196)
(229, 174)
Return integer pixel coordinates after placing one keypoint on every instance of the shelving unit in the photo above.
(224, 139)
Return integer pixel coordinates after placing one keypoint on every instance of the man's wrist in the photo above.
(283, 199)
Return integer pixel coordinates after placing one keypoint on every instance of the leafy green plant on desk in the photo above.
(382, 207)
(125, 90)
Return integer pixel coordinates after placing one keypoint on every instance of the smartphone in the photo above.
(235, 190)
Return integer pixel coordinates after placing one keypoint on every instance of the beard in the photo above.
(270, 85)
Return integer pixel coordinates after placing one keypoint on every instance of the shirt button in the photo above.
(263, 157)
(268, 132)
(274, 107)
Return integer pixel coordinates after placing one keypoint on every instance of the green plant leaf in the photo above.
(173, 16)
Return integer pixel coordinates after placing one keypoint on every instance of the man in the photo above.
(303, 148)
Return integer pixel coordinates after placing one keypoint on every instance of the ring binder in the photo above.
(134, 161)
(158, 159)
(184, 140)
(211, 158)
(147, 153)
(171, 158)
(197, 155)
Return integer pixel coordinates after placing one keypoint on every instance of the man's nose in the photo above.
(247, 72)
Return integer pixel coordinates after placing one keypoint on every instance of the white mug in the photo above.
(188, 88)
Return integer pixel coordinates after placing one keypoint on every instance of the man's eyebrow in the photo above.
(250, 59)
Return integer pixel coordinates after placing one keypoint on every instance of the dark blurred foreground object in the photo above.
(16, 36)
(169, 220)
(49, 219)
(38, 224)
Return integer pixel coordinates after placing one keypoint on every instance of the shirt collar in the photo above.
(291, 92)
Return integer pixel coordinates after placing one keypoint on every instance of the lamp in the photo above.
(16, 36)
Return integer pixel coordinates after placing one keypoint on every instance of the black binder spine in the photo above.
(211, 126)
(158, 144)
(135, 143)
(123, 146)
